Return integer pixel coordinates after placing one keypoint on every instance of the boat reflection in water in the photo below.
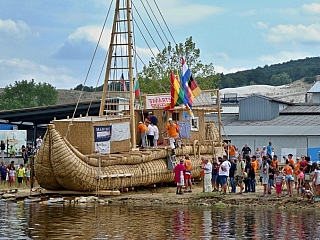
(85, 221)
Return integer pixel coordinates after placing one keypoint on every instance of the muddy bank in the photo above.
(165, 195)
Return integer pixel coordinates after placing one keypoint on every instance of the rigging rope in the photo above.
(146, 28)
(164, 21)
(86, 78)
(158, 22)
(152, 22)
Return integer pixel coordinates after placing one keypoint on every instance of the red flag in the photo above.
(172, 77)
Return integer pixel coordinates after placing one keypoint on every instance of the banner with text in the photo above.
(160, 101)
(102, 136)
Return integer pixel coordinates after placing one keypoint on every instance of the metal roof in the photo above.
(302, 109)
(43, 115)
(282, 120)
(267, 98)
(272, 130)
(315, 88)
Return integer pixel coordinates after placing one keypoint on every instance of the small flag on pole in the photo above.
(136, 89)
(123, 83)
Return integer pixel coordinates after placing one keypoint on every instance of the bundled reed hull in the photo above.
(58, 165)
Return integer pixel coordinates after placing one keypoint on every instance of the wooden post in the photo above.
(131, 79)
(31, 172)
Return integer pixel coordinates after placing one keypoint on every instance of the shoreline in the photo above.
(164, 196)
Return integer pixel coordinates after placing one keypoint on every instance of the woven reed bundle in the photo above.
(71, 172)
(43, 167)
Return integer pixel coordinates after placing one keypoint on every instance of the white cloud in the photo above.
(260, 25)
(17, 29)
(192, 12)
(311, 9)
(282, 57)
(221, 69)
(22, 69)
(223, 55)
(76, 46)
(294, 33)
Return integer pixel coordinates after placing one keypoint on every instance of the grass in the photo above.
(206, 194)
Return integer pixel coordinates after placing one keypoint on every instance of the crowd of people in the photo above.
(11, 174)
(243, 169)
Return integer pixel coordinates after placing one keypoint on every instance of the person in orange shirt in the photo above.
(232, 151)
(289, 178)
(172, 130)
(187, 174)
(291, 161)
(254, 163)
(275, 162)
(296, 172)
(143, 130)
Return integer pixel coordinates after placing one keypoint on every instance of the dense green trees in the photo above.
(155, 77)
(280, 79)
(271, 75)
(26, 94)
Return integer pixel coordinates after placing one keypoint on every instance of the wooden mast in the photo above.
(132, 115)
(113, 43)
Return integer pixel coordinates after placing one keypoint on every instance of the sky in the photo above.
(54, 41)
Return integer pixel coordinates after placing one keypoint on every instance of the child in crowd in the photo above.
(308, 193)
(316, 179)
(279, 181)
(27, 175)
(300, 182)
(20, 175)
(12, 176)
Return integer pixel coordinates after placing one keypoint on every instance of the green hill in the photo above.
(275, 74)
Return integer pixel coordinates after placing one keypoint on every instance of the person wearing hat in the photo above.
(172, 130)
(151, 118)
(179, 176)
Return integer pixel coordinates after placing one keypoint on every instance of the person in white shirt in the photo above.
(224, 173)
(156, 135)
(38, 141)
(207, 167)
(150, 135)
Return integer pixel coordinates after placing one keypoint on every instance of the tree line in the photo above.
(275, 75)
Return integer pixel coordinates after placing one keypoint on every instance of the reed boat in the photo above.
(89, 153)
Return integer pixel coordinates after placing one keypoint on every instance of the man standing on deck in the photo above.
(143, 130)
(172, 130)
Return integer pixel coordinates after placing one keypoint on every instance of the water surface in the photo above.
(89, 221)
